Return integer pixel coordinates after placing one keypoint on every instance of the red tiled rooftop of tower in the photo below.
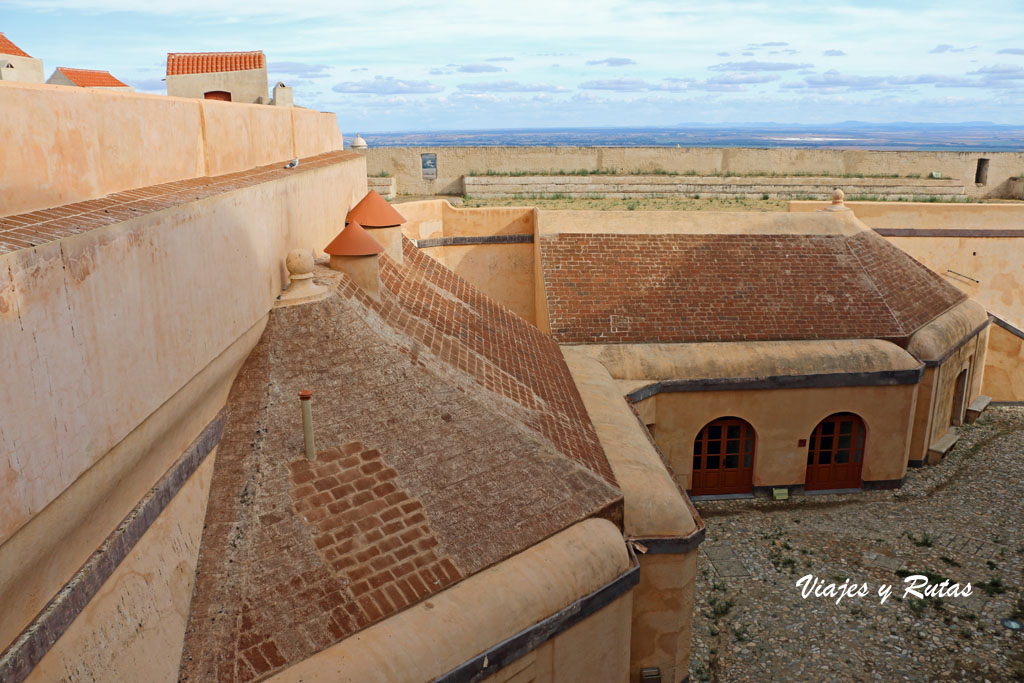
(91, 78)
(9, 48)
(373, 211)
(182, 63)
(353, 240)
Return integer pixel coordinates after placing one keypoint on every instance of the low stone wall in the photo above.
(384, 186)
(490, 247)
(448, 165)
(638, 186)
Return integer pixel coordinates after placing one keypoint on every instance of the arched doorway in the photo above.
(221, 95)
(723, 458)
(835, 453)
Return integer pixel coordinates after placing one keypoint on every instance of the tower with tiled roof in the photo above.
(225, 76)
(86, 78)
(18, 65)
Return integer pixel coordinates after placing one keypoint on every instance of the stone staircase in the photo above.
(752, 187)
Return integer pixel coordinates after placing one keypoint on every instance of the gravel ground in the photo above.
(957, 520)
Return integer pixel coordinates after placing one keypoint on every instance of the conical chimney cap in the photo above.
(373, 211)
(354, 241)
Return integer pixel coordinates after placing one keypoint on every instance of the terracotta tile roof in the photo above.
(736, 287)
(181, 63)
(373, 211)
(353, 241)
(9, 48)
(91, 78)
(451, 438)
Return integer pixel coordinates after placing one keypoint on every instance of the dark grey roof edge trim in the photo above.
(32, 644)
(673, 545)
(474, 239)
(812, 381)
(950, 232)
(527, 640)
(1012, 329)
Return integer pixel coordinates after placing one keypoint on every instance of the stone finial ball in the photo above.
(837, 196)
(299, 262)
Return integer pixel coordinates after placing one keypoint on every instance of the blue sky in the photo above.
(410, 66)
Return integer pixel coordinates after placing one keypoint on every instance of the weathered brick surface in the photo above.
(701, 288)
(435, 462)
(28, 230)
(496, 347)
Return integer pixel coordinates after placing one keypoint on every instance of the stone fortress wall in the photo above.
(454, 165)
(121, 337)
(76, 144)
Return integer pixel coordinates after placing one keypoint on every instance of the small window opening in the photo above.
(220, 95)
(428, 163)
(981, 174)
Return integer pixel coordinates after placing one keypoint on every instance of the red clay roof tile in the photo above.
(9, 48)
(373, 211)
(182, 63)
(353, 240)
(91, 78)
(679, 288)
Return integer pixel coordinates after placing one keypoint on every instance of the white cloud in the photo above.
(477, 68)
(387, 85)
(758, 66)
(1000, 72)
(300, 69)
(612, 61)
(620, 84)
(511, 86)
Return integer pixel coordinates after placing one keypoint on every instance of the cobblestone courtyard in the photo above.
(958, 521)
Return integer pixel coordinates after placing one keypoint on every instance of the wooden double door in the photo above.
(723, 458)
(835, 453)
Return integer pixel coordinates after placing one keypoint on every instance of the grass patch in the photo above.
(924, 542)
(719, 606)
(994, 586)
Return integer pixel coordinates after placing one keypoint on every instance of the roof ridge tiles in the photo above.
(91, 78)
(7, 47)
(186, 63)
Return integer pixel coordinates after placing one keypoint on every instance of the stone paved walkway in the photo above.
(960, 520)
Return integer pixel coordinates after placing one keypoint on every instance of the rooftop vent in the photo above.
(355, 252)
(373, 212)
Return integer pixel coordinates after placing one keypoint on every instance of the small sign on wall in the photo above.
(428, 163)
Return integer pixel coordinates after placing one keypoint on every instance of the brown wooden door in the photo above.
(218, 95)
(723, 458)
(835, 453)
